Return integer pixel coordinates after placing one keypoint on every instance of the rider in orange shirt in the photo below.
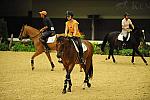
(71, 30)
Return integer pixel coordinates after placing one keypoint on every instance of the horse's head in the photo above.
(139, 33)
(61, 43)
(23, 33)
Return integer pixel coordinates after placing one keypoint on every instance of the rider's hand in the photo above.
(41, 30)
(129, 30)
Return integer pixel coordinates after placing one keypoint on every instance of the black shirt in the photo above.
(47, 22)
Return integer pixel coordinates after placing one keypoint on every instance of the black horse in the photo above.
(136, 36)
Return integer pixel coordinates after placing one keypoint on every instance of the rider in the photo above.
(72, 30)
(126, 22)
(47, 30)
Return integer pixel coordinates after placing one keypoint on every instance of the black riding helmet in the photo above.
(69, 13)
(126, 14)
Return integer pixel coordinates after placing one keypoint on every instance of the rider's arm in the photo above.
(131, 24)
(44, 28)
(66, 30)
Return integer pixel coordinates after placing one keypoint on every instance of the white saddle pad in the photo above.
(51, 39)
(120, 37)
(83, 46)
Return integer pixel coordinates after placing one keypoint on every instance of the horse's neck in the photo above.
(69, 52)
(136, 36)
(32, 32)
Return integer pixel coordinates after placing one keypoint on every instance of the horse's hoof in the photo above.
(52, 69)
(52, 64)
(106, 59)
(146, 64)
(89, 85)
(32, 68)
(69, 90)
(64, 91)
(60, 61)
(84, 85)
(63, 69)
(133, 63)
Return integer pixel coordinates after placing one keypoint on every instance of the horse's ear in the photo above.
(26, 25)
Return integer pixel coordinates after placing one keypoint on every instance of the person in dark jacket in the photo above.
(47, 30)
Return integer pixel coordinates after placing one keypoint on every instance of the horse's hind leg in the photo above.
(32, 58)
(108, 56)
(133, 53)
(112, 54)
(86, 70)
(49, 58)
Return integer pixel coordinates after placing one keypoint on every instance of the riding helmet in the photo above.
(69, 13)
(126, 14)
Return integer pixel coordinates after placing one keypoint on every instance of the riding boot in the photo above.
(124, 42)
(46, 48)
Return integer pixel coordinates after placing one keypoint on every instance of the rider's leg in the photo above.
(80, 50)
(44, 38)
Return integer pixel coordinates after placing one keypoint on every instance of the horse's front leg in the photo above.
(67, 80)
(50, 60)
(32, 58)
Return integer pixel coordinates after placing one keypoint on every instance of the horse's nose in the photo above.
(59, 54)
(19, 38)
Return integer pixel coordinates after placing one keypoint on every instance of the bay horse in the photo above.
(136, 36)
(34, 34)
(67, 52)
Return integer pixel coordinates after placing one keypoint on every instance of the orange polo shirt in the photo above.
(70, 26)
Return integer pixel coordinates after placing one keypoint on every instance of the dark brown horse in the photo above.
(66, 51)
(137, 35)
(34, 34)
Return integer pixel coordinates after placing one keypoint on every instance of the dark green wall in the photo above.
(107, 9)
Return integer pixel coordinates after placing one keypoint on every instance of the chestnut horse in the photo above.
(34, 34)
(66, 50)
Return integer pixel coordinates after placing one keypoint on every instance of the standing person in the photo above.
(47, 30)
(71, 30)
(126, 22)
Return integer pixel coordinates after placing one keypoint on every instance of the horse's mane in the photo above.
(32, 28)
(60, 38)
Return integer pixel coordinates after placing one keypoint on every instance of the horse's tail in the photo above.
(104, 42)
(90, 72)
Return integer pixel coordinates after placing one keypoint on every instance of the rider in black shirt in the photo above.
(47, 30)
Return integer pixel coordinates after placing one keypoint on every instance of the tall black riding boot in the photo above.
(45, 44)
(81, 56)
(124, 42)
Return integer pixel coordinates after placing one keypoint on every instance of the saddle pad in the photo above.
(120, 37)
(83, 46)
(51, 39)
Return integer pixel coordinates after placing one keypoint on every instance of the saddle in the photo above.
(83, 46)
